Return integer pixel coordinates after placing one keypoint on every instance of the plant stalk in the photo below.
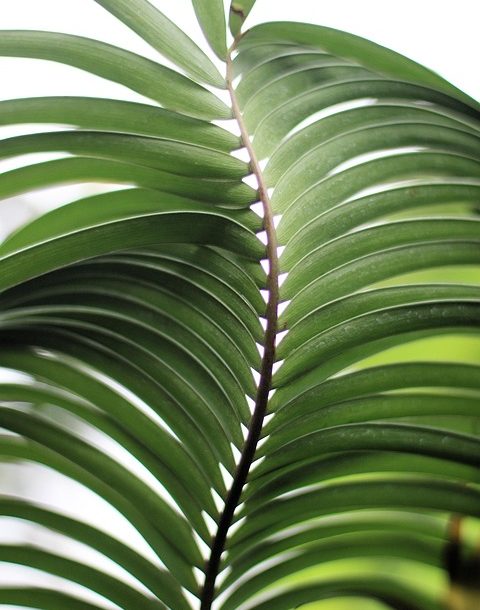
(268, 359)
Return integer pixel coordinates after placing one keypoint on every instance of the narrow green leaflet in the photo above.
(86, 169)
(159, 153)
(167, 87)
(117, 116)
(111, 588)
(338, 497)
(167, 38)
(358, 547)
(211, 16)
(271, 125)
(384, 590)
(46, 599)
(347, 525)
(239, 10)
(104, 208)
(325, 468)
(160, 583)
(362, 383)
(372, 300)
(140, 231)
(342, 44)
(395, 437)
(132, 429)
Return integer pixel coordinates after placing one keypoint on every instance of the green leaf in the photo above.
(117, 116)
(376, 379)
(167, 38)
(404, 493)
(98, 209)
(37, 453)
(165, 86)
(239, 10)
(177, 345)
(348, 46)
(272, 124)
(158, 153)
(211, 16)
(154, 390)
(352, 546)
(379, 330)
(132, 430)
(153, 577)
(343, 525)
(78, 170)
(103, 584)
(394, 594)
(356, 437)
(114, 235)
(46, 599)
(373, 300)
(361, 464)
(291, 61)
(174, 539)
(362, 141)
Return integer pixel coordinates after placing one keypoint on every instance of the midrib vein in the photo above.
(268, 359)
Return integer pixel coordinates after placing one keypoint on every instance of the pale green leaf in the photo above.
(164, 36)
(211, 16)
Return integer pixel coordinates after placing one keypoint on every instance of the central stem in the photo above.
(268, 359)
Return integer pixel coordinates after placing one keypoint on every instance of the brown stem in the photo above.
(266, 369)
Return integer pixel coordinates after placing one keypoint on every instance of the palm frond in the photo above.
(137, 314)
